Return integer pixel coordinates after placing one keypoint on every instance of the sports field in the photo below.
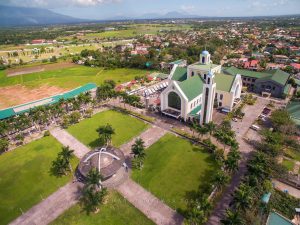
(117, 211)
(20, 89)
(174, 169)
(25, 179)
(126, 127)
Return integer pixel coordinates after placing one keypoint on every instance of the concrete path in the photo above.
(149, 136)
(50, 208)
(149, 205)
(241, 128)
(68, 140)
(284, 187)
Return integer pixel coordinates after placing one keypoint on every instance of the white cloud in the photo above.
(188, 8)
(56, 3)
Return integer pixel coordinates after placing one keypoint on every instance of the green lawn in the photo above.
(174, 169)
(71, 77)
(126, 127)
(288, 164)
(293, 154)
(25, 177)
(117, 211)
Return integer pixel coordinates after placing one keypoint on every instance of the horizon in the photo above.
(114, 9)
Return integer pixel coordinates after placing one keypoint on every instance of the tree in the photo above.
(105, 133)
(61, 165)
(94, 178)
(210, 127)
(243, 197)
(220, 179)
(232, 218)
(232, 161)
(3, 145)
(74, 117)
(280, 118)
(91, 199)
(138, 148)
(53, 59)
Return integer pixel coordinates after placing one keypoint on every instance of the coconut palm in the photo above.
(91, 199)
(93, 178)
(232, 218)
(138, 148)
(221, 179)
(210, 127)
(243, 197)
(105, 133)
(66, 154)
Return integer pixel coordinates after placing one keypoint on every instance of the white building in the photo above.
(194, 91)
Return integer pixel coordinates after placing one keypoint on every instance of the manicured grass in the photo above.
(293, 154)
(288, 164)
(126, 127)
(25, 177)
(174, 169)
(117, 211)
(71, 77)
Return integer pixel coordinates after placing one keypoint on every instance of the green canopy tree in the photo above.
(105, 133)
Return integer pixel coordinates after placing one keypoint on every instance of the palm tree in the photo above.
(105, 133)
(138, 148)
(66, 154)
(201, 131)
(243, 197)
(232, 161)
(94, 178)
(210, 127)
(91, 199)
(221, 179)
(232, 218)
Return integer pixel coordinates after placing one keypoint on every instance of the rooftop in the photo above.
(180, 74)
(201, 66)
(294, 110)
(277, 219)
(224, 81)
(277, 76)
(192, 87)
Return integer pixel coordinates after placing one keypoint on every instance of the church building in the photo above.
(194, 91)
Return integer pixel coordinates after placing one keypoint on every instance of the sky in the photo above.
(105, 9)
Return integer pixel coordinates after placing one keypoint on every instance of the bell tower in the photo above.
(205, 57)
(209, 90)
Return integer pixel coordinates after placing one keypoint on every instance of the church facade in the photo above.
(194, 91)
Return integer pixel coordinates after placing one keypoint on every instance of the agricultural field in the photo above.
(174, 170)
(126, 127)
(136, 30)
(25, 177)
(117, 211)
(19, 89)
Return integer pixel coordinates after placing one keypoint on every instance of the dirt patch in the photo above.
(19, 94)
(40, 68)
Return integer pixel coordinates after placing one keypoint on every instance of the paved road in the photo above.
(148, 204)
(149, 137)
(68, 140)
(284, 187)
(50, 208)
(241, 128)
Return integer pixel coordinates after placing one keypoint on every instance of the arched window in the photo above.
(192, 73)
(208, 80)
(203, 59)
(174, 100)
(221, 96)
(204, 76)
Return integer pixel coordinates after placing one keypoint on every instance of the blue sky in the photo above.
(101, 9)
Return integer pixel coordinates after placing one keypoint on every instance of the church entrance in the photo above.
(174, 101)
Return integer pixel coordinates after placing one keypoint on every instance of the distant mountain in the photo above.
(18, 16)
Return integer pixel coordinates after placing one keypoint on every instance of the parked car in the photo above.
(255, 127)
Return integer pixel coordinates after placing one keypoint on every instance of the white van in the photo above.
(255, 127)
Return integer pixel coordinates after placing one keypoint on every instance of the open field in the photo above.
(117, 211)
(27, 87)
(136, 30)
(126, 127)
(174, 169)
(25, 178)
(288, 164)
(293, 154)
(40, 68)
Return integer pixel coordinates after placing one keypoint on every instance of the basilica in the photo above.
(194, 91)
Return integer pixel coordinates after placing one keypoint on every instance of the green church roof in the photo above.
(205, 66)
(180, 74)
(224, 81)
(277, 76)
(192, 87)
(195, 111)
